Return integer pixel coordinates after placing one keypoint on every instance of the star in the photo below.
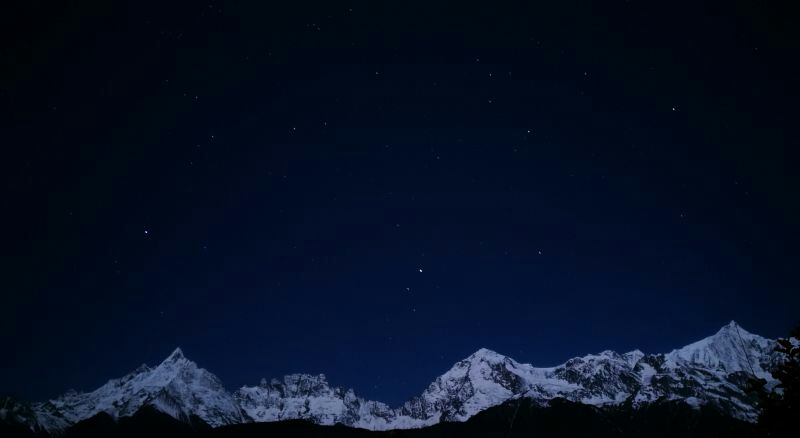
(146, 231)
(420, 269)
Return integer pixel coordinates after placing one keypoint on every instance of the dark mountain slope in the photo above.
(525, 419)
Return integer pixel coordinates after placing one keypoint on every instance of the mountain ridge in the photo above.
(712, 371)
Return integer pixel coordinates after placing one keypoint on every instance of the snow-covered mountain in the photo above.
(311, 397)
(711, 371)
(176, 387)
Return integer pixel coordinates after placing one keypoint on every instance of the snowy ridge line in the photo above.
(713, 371)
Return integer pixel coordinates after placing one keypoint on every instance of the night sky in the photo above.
(375, 191)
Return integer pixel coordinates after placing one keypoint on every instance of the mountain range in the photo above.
(710, 373)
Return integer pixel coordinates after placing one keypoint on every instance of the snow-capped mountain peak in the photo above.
(731, 349)
(487, 355)
(711, 371)
(633, 357)
(177, 387)
(483, 379)
(176, 356)
(309, 397)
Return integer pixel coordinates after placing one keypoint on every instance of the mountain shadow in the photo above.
(147, 422)
(523, 418)
(514, 418)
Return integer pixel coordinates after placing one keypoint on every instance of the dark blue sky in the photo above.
(262, 185)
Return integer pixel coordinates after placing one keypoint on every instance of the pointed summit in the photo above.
(730, 326)
(733, 329)
(730, 349)
(175, 355)
(733, 325)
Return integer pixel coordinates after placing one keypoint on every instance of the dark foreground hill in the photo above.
(511, 419)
